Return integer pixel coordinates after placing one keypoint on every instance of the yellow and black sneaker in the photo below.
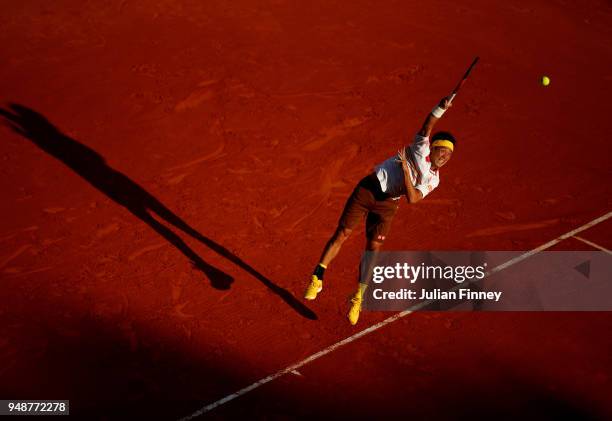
(353, 314)
(315, 286)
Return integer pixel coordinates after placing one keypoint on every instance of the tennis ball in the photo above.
(545, 80)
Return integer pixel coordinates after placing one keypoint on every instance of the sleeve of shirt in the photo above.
(420, 146)
(419, 153)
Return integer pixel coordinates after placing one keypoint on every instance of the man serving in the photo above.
(413, 173)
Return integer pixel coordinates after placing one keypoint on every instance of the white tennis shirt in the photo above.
(391, 176)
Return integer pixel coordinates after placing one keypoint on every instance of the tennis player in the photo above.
(413, 173)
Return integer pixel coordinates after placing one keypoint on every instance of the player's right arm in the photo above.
(431, 119)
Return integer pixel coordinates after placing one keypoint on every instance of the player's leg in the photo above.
(371, 253)
(372, 248)
(354, 212)
(329, 252)
(334, 244)
(378, 225)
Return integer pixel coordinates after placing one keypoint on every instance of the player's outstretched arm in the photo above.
(434, 116)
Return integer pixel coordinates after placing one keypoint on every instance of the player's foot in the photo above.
(353, 314)
(315, 286)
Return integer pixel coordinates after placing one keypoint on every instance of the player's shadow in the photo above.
(92, 167)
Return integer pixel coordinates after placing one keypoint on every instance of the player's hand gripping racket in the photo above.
(462, 81)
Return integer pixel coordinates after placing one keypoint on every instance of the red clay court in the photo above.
(229, 134)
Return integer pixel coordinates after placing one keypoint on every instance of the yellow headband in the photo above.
(444, 143)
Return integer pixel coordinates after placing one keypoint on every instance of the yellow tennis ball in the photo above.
(545, 80)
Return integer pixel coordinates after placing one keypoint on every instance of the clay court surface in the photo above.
(230, 134)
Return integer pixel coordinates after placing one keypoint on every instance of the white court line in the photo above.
(592, 244)
(385, 322)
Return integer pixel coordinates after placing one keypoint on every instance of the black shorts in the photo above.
(369, 202)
